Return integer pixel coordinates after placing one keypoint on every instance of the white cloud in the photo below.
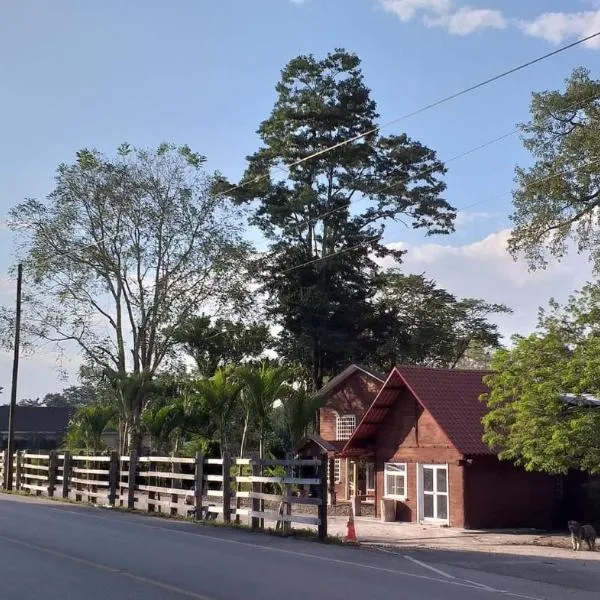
(484, 269)
(443, 13)
(556, 27)
(406, 10)
(468, 20)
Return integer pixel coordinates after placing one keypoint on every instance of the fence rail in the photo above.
(263, 491)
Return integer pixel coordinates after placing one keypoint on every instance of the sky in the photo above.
(94, 74)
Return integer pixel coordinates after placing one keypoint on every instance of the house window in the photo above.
(337, 470)
(345, 426)
(395, 480)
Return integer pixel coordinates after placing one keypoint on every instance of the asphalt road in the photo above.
(59, 551)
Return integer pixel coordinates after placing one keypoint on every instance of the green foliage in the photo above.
(261, 389)
(218, 343)
(72, 396)
(299, 408)
(87, 426)
(220, 397)
(557, 198)
(125, 250)
(527, 422)
(419, 322)
(324, 306)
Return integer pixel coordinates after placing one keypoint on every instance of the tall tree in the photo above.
(214, 344)
(557, 198)
(419, 322)
(261, 389)
(126, 250)
(529, 422)
(318, 274)
(299, 408)
(220, 396)
(88, 425)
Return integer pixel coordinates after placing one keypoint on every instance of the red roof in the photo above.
(450, 395)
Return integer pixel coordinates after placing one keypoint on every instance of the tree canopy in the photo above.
(214, 344)
(318, 275)
(124, 251)
(419, 322)
(528, 422)
(556, 200)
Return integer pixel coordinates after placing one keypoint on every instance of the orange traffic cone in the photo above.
(350, 531)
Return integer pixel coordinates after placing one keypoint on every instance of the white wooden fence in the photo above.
(203, 488)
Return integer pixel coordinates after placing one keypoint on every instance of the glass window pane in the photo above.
(428, 506)
(401, 485)
(442, 507)
(442, 485)
(389, 485)
(428, 479)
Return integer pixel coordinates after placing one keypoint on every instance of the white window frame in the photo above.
(344, 426)
(398, 470)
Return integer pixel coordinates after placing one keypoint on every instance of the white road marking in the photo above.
(483, 585)
(101, 567)
(426, 566)
(446, 581)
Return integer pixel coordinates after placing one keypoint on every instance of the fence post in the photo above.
(5, 460)
(52, 472)
(323, 496)
(226, 487)
(131, 481)
(256, 487)
(287, 492)
(198, 485)
(18, 463)
(66, 474)
(113, 478)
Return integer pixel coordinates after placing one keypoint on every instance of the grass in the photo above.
(301, 534)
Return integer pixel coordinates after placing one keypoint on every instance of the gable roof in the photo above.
(33, 419)
(450, 395)
(341, 377)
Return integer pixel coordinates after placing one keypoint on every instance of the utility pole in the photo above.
(8, 470)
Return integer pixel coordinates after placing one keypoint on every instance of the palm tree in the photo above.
(299, 409)
(159, 420)
(220, 395)
(87, 426)
(262, 387)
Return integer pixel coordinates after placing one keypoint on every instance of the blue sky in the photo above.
(95, 74)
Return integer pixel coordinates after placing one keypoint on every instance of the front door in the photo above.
(434, 493)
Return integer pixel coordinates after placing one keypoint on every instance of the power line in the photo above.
(536, 180)
(418, 111)
(366, 241)
(495, 140)
(412, 177)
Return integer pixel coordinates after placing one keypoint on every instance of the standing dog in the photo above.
(579, 533)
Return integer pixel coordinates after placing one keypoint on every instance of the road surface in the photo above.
(61, 552)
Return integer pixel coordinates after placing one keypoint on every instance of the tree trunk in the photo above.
(244, 434)
(134, 439)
